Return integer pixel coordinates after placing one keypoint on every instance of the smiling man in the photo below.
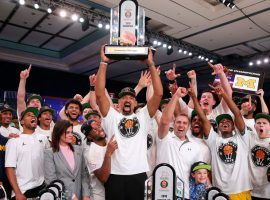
(45, 118)
(24, 158)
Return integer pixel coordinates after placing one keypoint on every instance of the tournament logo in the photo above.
(260, 156)
(227, 152)
(129, 127)
(149, 141)
(77, 139)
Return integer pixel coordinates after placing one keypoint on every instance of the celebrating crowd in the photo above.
(210, 141)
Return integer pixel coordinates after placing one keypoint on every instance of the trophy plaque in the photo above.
(127, 32)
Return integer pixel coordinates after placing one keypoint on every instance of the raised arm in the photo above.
(153, 103)
(193, 79)
(260, 92)
(102, 100)
(168, 112)
(104, 171)
(21, 105)
(205, 122)
(238, 119)
(144, 81)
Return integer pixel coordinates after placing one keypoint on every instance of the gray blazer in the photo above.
(56, 167)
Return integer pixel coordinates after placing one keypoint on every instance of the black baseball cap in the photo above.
(262, 115)
(92, 112)
(45, 109)
(87, 127)
(86, 105)
(5, 107)
(193, 114)
(223, 116)
(33, 96)
(127, 91)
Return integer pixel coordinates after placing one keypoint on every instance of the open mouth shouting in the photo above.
(127, 107)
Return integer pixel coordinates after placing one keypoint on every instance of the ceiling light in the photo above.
(22, 2)
(159, 43)
(108, 27)
(206, 59)
(169, 47)
(266, 60)
(81, 19)
(232, 5)
(164, 45)
(169, 50)
(202, 58)
(190, 53)
(199, 57)
(180, 50)
(100, 25)
(74, 17)
(36, 6)
(63, 13)
(185, 52)
(250, 63)
(49, 10)
(258, 62)
(155, 42)
(211, 61)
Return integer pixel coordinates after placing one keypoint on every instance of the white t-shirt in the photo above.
(79, 135)
(250, 123)
(180, 155)
(152, 146)
(131, 136)
(6, 131)
(230, 170)
(47, 133)
(94, 156)
(259, 162)
(26, 155)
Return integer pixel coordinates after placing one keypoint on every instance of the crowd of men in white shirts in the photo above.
(122, 141)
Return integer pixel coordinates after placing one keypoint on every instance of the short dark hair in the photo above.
(60, 128)
(73, 101)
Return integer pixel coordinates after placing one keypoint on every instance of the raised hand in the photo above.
(145, 79)
(102, 55)
(149, 60)
(93, 79)
(191, 74)
(260, 93)
(181, 92)
(112, 146)
(173, 88)
(25, 73)
(191, 91)
(78, 97)
(170, 74)
(217, 89)
(217, 68)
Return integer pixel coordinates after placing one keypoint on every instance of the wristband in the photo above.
(103, 63)
(172, 81)
(92, 88)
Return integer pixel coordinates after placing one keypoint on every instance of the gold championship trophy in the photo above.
(127, 32)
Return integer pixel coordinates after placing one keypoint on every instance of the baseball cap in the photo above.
(92, 112)
(193, 114)
(246, 99)
(200, 165)
(115, 100)
(45, 109)
(33, 96)
(29, 109)
(223, 116)
(5, 107)
(127, 91)
(262, 115)
(87, 127)
(86, 105)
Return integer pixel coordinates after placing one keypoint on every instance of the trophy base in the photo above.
(126, 52)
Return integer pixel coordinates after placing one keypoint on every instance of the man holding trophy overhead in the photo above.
(129, 162)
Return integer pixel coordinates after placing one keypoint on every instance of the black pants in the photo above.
(33, 193)
(257, 198)
(125, 187)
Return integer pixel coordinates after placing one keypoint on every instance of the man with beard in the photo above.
(129, 162)
(249, 106)
(175, 148)
(229, 151)
(24, 158)
(45, 117)
(98, 156)
(73, 110)
(197, 136)
(6, 117)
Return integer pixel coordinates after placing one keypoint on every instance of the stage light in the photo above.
(49, 10)
(63, 13)
(258, 62)
(232, 5)
(36, 5)
(164, 45)
(211, 61)
(85, 23)
(170, 46)
(81, 19)
(199, 57)
(74, 17)
(108, 27)
(266, 60)
(250, 63)
(180, 50)
(169, 50)
(22, 2)
(155, 42)
(159, 43)
(185, 52)
(190, 53)
(227, 4)
(202, 58)
(100, 25)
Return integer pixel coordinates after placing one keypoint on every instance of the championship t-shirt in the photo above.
(131, 136)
